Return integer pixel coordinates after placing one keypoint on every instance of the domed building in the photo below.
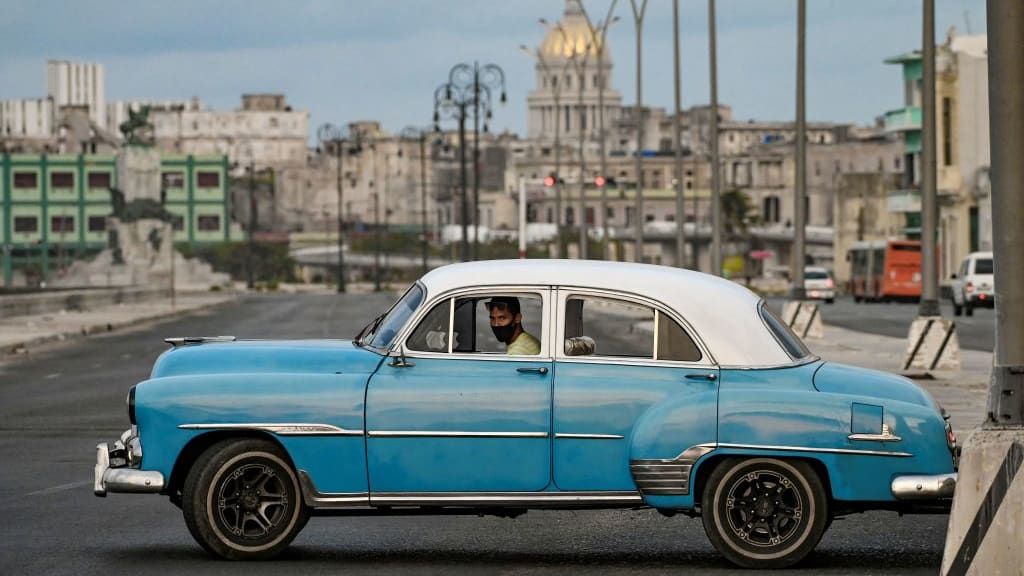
(567, 60)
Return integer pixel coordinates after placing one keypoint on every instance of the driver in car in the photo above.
(507, 325)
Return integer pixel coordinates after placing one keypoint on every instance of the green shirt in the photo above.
(524, 345)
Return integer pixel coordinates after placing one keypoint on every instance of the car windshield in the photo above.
(816, 275)
(983, 266)
(381, 332)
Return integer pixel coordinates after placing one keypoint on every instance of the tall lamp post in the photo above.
(797, 291)
(556, 93)
(598, 33)
(477, 82)
(639, 9)
(716, 174)
(333, 137)
(420, 135)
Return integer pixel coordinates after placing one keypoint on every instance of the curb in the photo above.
(21, 348)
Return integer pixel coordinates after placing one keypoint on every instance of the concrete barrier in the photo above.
(933, 344)
(987, 521)
(803, 318)
(48, 302)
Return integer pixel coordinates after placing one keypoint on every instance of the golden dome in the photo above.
(570, 36)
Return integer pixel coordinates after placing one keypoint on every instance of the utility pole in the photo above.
(250, 279)
(677, 131)
(638, 24)
(716, 185)
(929, 305)
(983, 536)
(796, 290)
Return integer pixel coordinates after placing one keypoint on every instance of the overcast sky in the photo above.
(346, 60)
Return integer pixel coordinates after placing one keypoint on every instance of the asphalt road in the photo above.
(57, 403)
(893, 319)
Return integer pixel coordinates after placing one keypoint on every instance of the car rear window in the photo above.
(983, 266)
(789, 341)
(815, 275)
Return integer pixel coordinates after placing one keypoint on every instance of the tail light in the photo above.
(829, 283)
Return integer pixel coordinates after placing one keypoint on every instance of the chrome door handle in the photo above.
(709, 377)
(541, 370)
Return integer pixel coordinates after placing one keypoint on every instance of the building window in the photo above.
(26, 224)
(551, 215)
(97, 223)
(26, 180)
(208, 223)
(947, 131)
(177, 222)
(170, 180)
(590, 215)
(611, 212)
(60, 224)
(896, 162)
(98, 179)
(208, 179)
(770, 209)
(570, 216)
(649, 218)
(63, 180)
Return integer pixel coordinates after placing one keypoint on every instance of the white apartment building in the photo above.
(26, 119)
(77, 84)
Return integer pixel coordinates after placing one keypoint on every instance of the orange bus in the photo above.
(885, 270)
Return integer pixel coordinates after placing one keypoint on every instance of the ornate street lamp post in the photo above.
(420, 135)
(333, 138)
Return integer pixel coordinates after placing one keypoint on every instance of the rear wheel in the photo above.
(242, 500)
(764, 512)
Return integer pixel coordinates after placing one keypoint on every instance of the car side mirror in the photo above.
(398, 358)
(580, 346)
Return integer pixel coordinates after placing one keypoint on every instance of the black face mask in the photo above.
(504, 333)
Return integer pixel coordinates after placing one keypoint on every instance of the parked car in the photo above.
(973, 285)
(819, 285)
(505, 386)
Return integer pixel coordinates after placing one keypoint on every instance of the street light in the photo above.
(638, 24)
(420, 134)
(468, 91)
(334, 137)
(556, 93)
(598, 34)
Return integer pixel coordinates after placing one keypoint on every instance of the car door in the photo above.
(457, 413)
(626, 369)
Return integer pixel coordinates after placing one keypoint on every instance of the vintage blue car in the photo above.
(504, 386)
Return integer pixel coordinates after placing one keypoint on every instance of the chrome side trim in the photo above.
(590, 436)
(810, 449)
(451, 434)
(281, 428)
(671, 477)
(885, 436)
(932, 487)
(505, 499)
(316, 499)
(186, 340)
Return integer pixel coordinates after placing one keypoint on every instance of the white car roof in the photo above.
(723, 313)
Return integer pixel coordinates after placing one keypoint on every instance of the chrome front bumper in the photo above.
(932, 487)
(117, 468)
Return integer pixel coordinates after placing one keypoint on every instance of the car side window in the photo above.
(515, 328)
(431, 335)
(610, 327)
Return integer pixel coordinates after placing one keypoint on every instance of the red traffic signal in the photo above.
(599, 181)
(549, 181)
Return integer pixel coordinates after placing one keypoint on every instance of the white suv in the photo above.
(973, 285)
(818, 284)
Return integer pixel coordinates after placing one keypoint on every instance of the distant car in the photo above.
(617, 386)
(818, 284)
(973, 285)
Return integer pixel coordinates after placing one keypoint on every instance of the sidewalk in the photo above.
(962, 393)
(20, 333)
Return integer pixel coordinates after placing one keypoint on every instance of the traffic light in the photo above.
(600, 181)
(549, 180)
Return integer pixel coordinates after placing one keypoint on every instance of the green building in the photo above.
(55, 207)
(906, 122)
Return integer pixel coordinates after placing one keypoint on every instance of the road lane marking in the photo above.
(60, 488)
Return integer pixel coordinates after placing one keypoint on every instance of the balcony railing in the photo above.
(903, 119)
(904, 201)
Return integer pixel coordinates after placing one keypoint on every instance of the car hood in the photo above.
(266, 356)
(838, 378)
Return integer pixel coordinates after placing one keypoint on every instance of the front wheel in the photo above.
(764, 512)
(242, 500)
